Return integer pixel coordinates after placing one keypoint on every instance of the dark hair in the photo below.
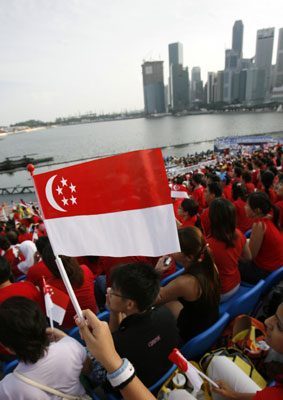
(267, 178)
(247, 176)
(12, 236)
(197, 178)
(223, 221)
(193, 244)
(213, 177)
(23, 328)
(238, 171)
(5, 270)
(239, 190)
(280, 178)
(4, 243)
(190, 206)
(72, 267)
(261, 200)
(215, 188)
(41, 242)
(138, 282)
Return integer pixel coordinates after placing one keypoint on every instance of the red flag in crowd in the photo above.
(56, 302)
(116, 206)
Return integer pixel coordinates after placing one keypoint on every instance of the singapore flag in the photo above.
(56, 302)
(115, 206)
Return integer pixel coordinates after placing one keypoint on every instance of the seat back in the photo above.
(199, 344)
(7, 368)
(169, 278)
(74, 333)
(245, 303)
(272, 279)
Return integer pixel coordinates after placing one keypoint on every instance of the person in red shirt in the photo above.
(13, 255)
(198, 193)
(236, 174)
(247, 179)
(188, 211)
(279, 202)
(244, 223)
(24, 234)
(39, 269)
(212, 191)
(267, 178)
(266, 241)
(228, 245)
(81, 279)
(225, 180)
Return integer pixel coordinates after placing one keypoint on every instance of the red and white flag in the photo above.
(56, 302)
(115, 206)
(178, 191)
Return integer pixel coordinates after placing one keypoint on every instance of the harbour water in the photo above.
(175, 135)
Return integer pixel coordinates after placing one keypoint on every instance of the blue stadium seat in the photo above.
(272, 279)
(199, 344)
(248, 233)
(243, 301)
(9, 367)
(21, 278)
(169, 278)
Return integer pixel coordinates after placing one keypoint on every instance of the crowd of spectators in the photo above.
(229, 222)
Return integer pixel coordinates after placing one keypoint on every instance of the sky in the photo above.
(70, 57)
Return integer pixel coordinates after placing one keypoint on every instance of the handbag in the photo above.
(64, 396)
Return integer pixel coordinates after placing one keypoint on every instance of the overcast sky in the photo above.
(65, 57)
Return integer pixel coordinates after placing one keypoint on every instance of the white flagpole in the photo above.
(58, 260)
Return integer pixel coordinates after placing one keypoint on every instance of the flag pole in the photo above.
(58, 260)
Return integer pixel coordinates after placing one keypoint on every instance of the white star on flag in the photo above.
(73, 200)
(59, 190)
(64, 182)
(72, 187)
(65, 201)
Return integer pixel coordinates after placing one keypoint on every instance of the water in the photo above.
(175, 135)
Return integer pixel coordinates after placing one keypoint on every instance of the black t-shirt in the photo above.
(146, 340)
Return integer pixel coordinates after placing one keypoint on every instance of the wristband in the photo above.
(123, 375)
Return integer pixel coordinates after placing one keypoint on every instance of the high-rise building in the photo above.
(178, 78)
(175, 53)
(211, 87)
(263, 59)
(279, 60)
(196, 85)
(237, 40)
(218, 95)
(153, 87)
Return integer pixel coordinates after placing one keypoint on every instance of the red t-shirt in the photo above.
(205, 221)
(14, 261)
(270, 393)
(25, 236)
(270, 255)
(25, 289)
(244, 223)
(36, 272)
(250, 187)
(227, 259)
(94, 266)
(227, 192)
(272, 194)
(189, 222)
(176, 205)
(198, 195)
(279, 204)
(84, 294)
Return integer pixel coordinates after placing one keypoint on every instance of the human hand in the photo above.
(161, 267)
(36, 257)
(55, 334)
(99, 340)
(224, 390)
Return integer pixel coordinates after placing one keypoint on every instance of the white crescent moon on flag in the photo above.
(49, 194)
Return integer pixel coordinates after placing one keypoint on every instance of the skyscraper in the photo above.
(263, 59)
(279, 60)
(178, 78)
(196, 85)
(237, 40)
(153, 87)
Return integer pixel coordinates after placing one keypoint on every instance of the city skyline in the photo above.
(69, 57)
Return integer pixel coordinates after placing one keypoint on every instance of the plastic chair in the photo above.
(272, 279)
(199, 344)
(169, 278)
(243, 301)
(7, 368)
(154, 388)
(21, 278)
(248, 233)
(74, 332)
